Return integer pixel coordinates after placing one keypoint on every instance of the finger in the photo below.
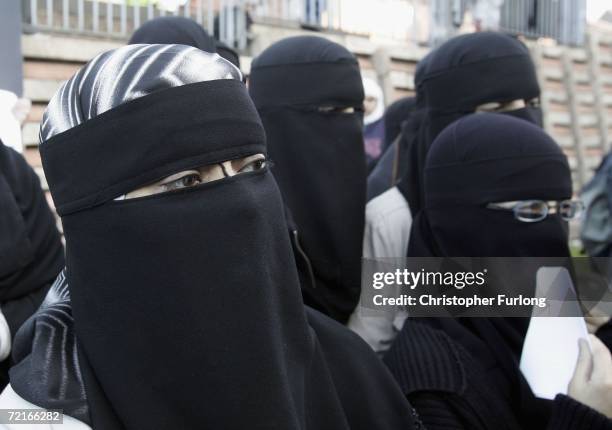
(582, 372)
(602, 361)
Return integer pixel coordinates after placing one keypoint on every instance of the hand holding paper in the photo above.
(550, 349)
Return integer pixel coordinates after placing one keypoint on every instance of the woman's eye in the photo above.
(254, 165)
(190, 180)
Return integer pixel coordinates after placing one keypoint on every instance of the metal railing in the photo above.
(119, 18)
(228, 20)
(562, 20)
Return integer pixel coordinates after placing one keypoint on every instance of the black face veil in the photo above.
(186, 304)
(300, 85)
(463, 73)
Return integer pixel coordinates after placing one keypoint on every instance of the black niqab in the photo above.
(319, 159)
(481, 159)
(186, 304)
(463, 73)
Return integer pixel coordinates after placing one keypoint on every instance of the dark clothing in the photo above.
(299, 86)
(46, 346)
(604, 333)
(395, 115)
(406, 156)
(384, 174)
(451, 389)
(31, 251)
(382, 177)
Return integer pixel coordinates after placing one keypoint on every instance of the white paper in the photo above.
(550, 350)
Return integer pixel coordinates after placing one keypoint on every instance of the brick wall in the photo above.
(576, 83)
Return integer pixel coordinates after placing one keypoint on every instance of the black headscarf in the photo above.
(174, 29)
(186, 304)
(31, 252)
(319, 158)
(463, 73)
(480, 159)
(182, 31)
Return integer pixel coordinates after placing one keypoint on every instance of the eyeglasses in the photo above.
(537, 210)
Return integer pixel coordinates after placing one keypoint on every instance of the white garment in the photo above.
(5, 338)
(10, 128)
(387, 231)
(372, 89)
(9, 399)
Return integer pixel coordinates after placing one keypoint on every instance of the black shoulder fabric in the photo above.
(319, 159)
(419, 343)
(45, 350)
(186, 304)
(31, 252)
(353, 378)
(450, 388)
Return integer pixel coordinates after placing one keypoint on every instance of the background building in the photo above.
(574, 59)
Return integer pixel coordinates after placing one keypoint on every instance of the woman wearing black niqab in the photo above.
(465, 371)
(470, 72)
(309, 94)
(185, 302)
(31, 251)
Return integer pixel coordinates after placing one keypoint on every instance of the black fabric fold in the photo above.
(31, 251)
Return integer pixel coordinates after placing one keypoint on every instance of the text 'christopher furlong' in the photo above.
(467, 302)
